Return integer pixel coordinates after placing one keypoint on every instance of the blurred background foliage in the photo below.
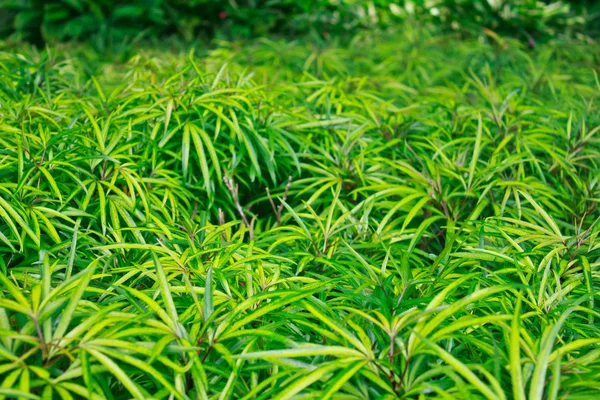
(103, 21)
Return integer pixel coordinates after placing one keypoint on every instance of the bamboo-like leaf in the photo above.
(537, 385)
(476, 152)
(336, 351)
(208, 296)
(516, 372)
(118, 373)
(338, 381)
(463, 370)
(306, 380)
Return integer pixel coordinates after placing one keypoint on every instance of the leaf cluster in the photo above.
(438, 237)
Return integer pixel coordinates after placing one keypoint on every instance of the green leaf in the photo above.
(114, 369)
(536, 388)
(208, 296)
(306, 380)
(463, 370)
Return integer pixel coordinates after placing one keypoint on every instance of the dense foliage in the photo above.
(438, 237)
(113, 20)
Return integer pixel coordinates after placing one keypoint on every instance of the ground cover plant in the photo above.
(410, 216)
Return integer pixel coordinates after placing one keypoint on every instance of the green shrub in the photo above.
(439, 237)
(52, 20)
(524, 18)
(75, 19)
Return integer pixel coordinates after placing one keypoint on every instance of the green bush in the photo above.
(524, 18)
(75, 19)
(40, 21)
(439, 239)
